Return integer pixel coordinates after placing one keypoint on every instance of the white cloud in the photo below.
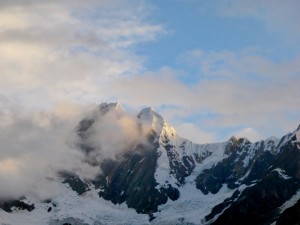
(192, 132)
(240, 89)
(56, 50)
(154, 89)
(245, 83)
(34, 146)
(250, 134)
(112, 133)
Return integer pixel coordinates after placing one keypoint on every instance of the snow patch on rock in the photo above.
(282, 174)
(192, 205)
(292, 201)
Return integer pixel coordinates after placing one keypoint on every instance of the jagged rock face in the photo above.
(8, 205)
(258, 204)
(278, 182)
(130, 177)
(222, 206)
(245, 163)
(249, 183)
(75, 183)
(171, 150)
(131, 180)
(148, 174)
(289, 157)
(180, 166)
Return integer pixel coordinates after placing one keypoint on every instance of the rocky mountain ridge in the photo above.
(167, 179)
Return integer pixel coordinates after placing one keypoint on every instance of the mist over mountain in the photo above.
(107, 166)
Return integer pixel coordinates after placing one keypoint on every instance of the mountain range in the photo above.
(158, 177)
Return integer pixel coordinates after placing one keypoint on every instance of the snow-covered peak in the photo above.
(232, 139)
(294, 137)
(238, 140)
(151, 120)
(149, 114)
(168, 131)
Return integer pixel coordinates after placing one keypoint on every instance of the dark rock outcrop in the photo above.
(76, 184)
(131, 180)
(290, 216)
(7, 205)
(278, 181)
(242, 157)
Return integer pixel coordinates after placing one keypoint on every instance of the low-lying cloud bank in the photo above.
(108, 131)
(35, 146)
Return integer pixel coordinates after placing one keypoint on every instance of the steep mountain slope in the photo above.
(155, 176)
(276, 183)
(149, 173)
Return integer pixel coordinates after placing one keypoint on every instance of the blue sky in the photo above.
(212, 68)
(196, 24)
(201, 24)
